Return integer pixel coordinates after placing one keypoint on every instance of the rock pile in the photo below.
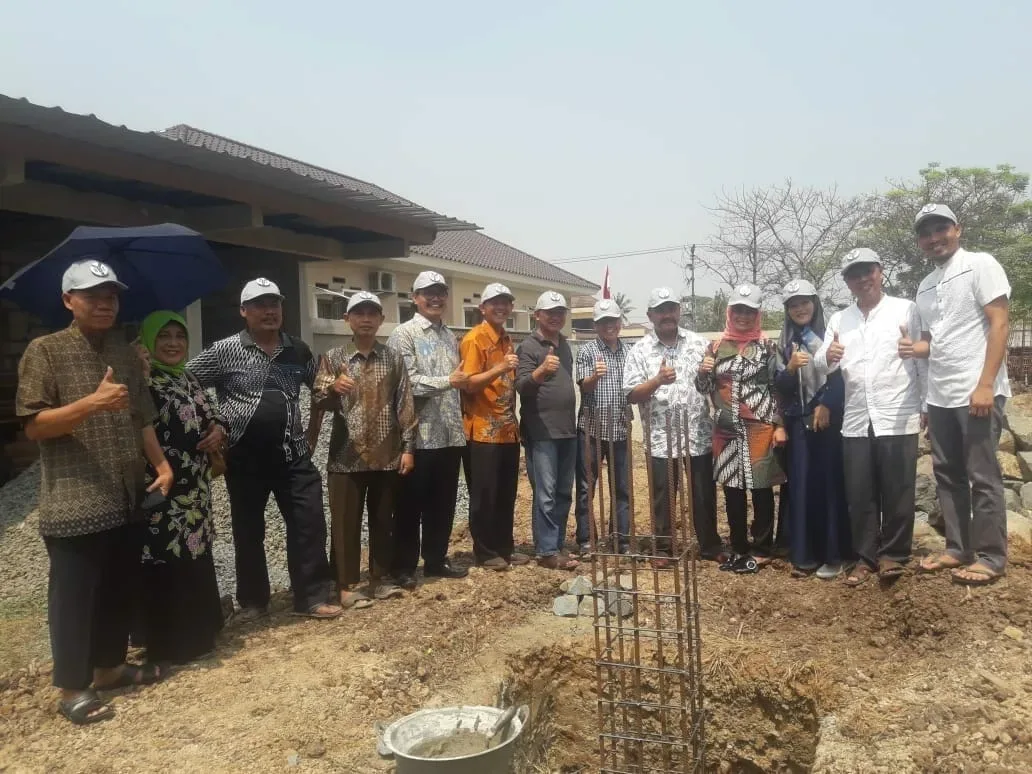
(580, 598)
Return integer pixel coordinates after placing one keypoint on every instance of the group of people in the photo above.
(830, 412)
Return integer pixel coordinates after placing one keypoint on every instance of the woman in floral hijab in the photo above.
(181, 611)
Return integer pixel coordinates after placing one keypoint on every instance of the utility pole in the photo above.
(691, 263)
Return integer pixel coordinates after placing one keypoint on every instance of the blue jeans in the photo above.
(618, 464)
(551, 467)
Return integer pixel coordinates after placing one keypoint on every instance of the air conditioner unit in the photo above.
(381, 282)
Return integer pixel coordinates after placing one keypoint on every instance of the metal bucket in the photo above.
(408, 732)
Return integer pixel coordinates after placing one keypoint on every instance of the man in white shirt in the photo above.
(882, 416)
(659, 376)
(964, 315)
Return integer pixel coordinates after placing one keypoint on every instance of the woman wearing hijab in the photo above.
(818, 519)
(180, 608)
(738, 374)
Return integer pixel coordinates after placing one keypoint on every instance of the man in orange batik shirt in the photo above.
(492, 454)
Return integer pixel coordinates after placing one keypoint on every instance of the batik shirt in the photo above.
(686, 408)
(375, 423)
(431, 354)
(489, 414)
(605, 407)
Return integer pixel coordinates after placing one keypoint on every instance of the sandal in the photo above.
(803, 572)
(940, 562)
(355, 600)
(859, 575)
(324, 611)
(890, 568)
(983, 575)
(85, 708)
(131, 674)
(387, 591)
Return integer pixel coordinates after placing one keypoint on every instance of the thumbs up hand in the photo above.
(667, 374)
(905, 347)
(601, 369)
(551, 363)
(110, 395)
(835, 350)
(458, 378)
(799, 359)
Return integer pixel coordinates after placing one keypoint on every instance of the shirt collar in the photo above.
(351, 351)
(247, 341)
(542, 340)
(682, 334)
(602, 346)
(425, 323)
(491, 333)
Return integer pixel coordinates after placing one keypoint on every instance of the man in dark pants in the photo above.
(257, 375)
(965, 308)
(881, 416)
(83, 399)
(602, 424)
(660, 377)
(426, 498)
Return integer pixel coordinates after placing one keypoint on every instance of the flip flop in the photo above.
(78, 709)
(131, 674)
(334, 611)
(387, 591)
(940, 562)
(888, 568)
(858, 576)
(985, 577)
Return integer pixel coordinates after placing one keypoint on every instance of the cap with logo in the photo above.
(606, 309)
(934, 211)
(660, 296)
(857, 256)
(495, 290)
(746, 294)
(797, 288)
(427, 279)
(89, 273)
(550, 300)
(363, 297)
(259, 287)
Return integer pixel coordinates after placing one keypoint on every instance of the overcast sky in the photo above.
(567, 129)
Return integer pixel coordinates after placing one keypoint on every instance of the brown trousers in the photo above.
(350, 495)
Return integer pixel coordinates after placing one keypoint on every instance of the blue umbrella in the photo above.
(167, 266)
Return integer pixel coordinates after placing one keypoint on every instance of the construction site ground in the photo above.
(800, 675)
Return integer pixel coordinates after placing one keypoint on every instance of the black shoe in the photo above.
(406, 580)
(444, 570)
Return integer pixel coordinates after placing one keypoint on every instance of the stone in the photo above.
(1026, 496)
(924, 466)
(1021, 427)
(565, 606)
(621, 608)
(1012, 500)
(1019, 526)
(1025, 463)
(1007, 442)
(1013, 467)
(586, 607)
(926, 499)
(578, 586)
(315, 749)
(1014, 633)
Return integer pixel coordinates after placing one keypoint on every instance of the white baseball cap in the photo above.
(797, 288)
(550, 300)
(858, 256)
(660, 296)
(746, 294)
(934, 211)
(494, 290)
(426, 279)
(606, 309)
(364, 297)
(259, 287)
(89, 273)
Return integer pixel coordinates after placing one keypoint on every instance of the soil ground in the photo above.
(800, 675)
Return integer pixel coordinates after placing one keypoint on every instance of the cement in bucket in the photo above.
(403, 735)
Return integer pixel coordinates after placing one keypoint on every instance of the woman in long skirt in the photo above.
(180, 607)
(818, 520)
(738, 374)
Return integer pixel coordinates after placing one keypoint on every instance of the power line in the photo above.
(628, 253)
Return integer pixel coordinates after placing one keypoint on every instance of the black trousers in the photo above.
(492, 476)
(297, 488)
(704, 502)
(762, 525)
(881, 475)
(91, 600)
(426, 499)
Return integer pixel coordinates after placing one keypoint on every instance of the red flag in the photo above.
(605, 285)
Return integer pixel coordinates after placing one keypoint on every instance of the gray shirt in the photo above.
(548, 411)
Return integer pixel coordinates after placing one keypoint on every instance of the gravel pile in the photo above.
(23, 558)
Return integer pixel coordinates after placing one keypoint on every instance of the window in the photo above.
(406, 310)
(330, 308)
(582, 325)
(470, 316)
(510, 324)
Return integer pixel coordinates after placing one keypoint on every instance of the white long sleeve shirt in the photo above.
(883, 391)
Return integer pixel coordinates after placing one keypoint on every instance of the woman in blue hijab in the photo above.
(818, 520)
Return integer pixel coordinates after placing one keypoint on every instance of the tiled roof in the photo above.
(476, 249)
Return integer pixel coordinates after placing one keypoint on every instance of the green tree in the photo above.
(994, 210)
(626, 307)
(710, 313)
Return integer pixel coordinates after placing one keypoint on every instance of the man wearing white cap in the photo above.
(602, 423)
(365, 385)
(881, 418)
(964, 304)
(492, 460)
(257, 375)
(548, 424)
(83, 399)
(660, 378)
(426, 500)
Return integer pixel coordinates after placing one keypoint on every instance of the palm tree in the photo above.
(626, 307)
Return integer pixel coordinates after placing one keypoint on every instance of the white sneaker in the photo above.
(829, 571)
